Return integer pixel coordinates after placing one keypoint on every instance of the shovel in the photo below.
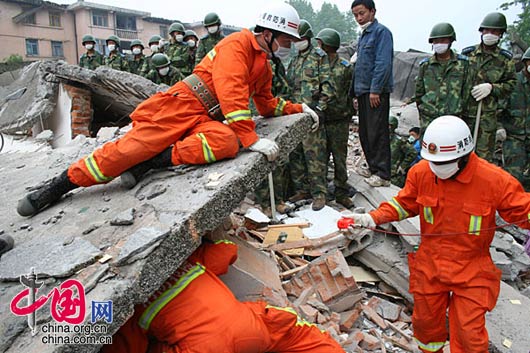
(477, 123)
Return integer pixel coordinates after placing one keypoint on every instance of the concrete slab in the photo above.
(187, 209)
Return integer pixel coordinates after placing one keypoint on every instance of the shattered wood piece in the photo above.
(299, 225)
(381, 341)
(386, 295)
(285, 236)
(401, 343)
(286, 259)
(300, 261)
(105, 258)
(372, 315)
(362, 275)
(306, 243)
(256, 234)
(293, 271)
(398, 330)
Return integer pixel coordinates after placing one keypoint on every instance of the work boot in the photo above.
(132, 176)
(345, 201)
(6, 243)
(376, 180)
(283, 208)
(299, 196)
(319, 202)
(48, 194)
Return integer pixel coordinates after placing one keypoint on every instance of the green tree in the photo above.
(329, 16)
(13, 58)
(520, 29)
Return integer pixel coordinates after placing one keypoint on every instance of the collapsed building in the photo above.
(122, 245)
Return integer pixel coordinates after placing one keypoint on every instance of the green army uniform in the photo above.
(136, 63)
(402, 155)
(117, 61)
(309, 77)
(337, 123)
(179, 56)
(516, 121)
(91, 61)
(147, 66)
(442, 88)
(498, 69)
(172, 77)
(207, 43)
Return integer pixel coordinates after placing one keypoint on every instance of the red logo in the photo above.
(432, 148)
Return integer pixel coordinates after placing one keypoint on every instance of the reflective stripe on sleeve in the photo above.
(95, 172)
(209, 157)
(431, 346)
(211, 54)
(279, 107)
(475, 223)
(299, 321)
(402, 213)
(224, 241)
(238, 115)
(154, 308)
(427, 214)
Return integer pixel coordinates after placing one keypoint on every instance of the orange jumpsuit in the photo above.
(235, 70)
(194, 312)
(452, 268)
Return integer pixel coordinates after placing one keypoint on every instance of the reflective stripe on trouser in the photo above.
(431, 346)
(154, 308)
(159, 122)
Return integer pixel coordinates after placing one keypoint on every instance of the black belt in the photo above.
(203, 93)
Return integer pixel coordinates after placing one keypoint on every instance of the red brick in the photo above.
(308, 312)
(348, 318)
(372, 315)
(370, 342)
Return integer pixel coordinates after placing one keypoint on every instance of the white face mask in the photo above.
(365, 26)
(444, 171)
(411, 139)
(212, 29)
(112, 47)
(528, 69)
(440, 48)
(281, 53)
(163, 71)
(137, 51)
(301, 45)
(179, 38)
(191, 43)
(89, 46)
(490, 39)
(154, 48)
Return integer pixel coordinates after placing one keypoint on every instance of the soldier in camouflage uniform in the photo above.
(444, 81)
(493, 82)
(92, 58)
(190, 38)
(136, 62)
(516, 121)
(178, 51)
(402, 152)
(212, 23)
(153, 46)
(163, 71)
(309, 78)
(338, 114)
(115, 59)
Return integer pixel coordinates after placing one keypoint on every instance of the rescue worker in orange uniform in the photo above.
(193, 311)
(456, 194)
(188, 116)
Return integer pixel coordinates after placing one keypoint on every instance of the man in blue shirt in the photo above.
(372, 86)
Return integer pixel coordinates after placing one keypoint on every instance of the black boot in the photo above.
(132, 176)
(51, 192)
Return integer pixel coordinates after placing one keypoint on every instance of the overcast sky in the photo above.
(409, 20)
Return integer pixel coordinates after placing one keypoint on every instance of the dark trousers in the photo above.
(374, 134)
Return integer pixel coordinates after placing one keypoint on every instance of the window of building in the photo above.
(57, 49)
(32, 47)
(30, 19)
(101, 46)
(126, 22)
(55, 19)
(100, 18)
(163, 31)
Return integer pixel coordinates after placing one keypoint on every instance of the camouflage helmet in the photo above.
(176, 27)
(526, 55)
(137, 42)
(114, 39)
(329, 37)
(160, 60)
(494, 20)
(190, 33)
(211, 19)
(305, 29)
(154, 39)
(393, 121)
(442, 30)
(88, 38)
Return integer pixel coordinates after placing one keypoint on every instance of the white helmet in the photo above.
(446, 138)
(281, 17)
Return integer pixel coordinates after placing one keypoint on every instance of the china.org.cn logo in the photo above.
(67, 303)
